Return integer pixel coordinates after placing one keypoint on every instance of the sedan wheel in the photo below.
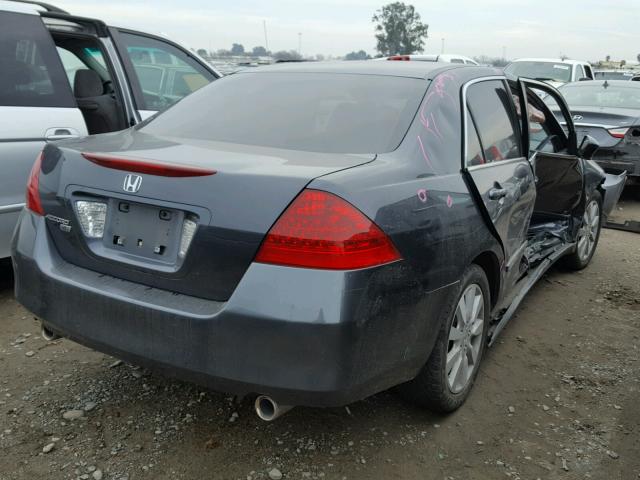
(446, 379)
(589, 231)
(465, 338)
(588, 235)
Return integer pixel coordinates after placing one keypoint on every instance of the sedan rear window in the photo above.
(315, 112)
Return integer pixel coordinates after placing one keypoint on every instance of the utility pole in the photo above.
(504, 53)
(442, 48)
(300, 43)
(266, 40)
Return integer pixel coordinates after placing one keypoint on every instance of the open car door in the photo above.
(553, 153)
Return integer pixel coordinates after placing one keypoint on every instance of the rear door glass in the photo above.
(31, 74)
(164, 73)
(491, 107)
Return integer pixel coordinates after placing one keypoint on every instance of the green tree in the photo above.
(202, 52)
(287, 56)
(237, 49)
(359, 55)
(259, 52)
(399, 29)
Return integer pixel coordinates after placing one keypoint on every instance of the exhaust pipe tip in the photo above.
(48, 334)
(268, 409)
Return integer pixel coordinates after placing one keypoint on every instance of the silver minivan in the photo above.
(63, 76)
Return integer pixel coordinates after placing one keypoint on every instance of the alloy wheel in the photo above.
(465, 338)
(589, 231)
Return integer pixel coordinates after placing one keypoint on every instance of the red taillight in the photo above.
(321, 230)
(618, 132)
(146, 166)
(404, 58)
(33, 193)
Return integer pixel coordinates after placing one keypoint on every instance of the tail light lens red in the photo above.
(321, 230)
(618, 132)
(401, 58)
(33, 187)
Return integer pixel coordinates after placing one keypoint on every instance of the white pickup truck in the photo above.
(554, 71)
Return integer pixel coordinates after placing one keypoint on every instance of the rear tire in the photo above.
(444, 383)
(588, 235)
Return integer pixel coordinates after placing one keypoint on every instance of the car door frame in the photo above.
(572, 152)
(129, 69)
(509, 270)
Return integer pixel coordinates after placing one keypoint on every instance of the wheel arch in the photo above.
(490, 264)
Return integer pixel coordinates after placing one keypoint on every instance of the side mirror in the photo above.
(588, 147)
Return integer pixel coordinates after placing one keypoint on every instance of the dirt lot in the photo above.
(558, 397)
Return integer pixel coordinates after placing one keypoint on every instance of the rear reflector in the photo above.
(33, 187)
(618, 132)
(146, 166)
(402, 58)
(321, 230)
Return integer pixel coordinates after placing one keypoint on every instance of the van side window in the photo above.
(31, 74)
(492, 109)
(165, 74)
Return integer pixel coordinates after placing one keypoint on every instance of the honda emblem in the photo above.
(132, 183)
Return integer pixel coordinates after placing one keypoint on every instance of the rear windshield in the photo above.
(597, 95)
(543, 71)
(315, 112)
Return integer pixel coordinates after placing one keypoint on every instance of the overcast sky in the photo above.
(581, 29)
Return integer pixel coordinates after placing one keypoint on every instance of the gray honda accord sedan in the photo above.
(312, 234)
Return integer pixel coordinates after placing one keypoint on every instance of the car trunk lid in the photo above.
(236, 193)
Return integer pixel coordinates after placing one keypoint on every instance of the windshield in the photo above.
(614, 75)
(316, 112)
(599, 95)
(543, 71)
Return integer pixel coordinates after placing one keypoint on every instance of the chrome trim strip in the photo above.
(598, 125)
(473, 168)
(16, 207)
(16, 140)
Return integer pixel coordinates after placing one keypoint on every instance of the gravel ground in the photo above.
(557, 398)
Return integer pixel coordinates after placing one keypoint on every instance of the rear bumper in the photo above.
(305, 337)
(613, 186)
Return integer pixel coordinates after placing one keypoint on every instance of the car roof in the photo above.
(421, 70)
(551, 60)
(600, 83)
(19, 7)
